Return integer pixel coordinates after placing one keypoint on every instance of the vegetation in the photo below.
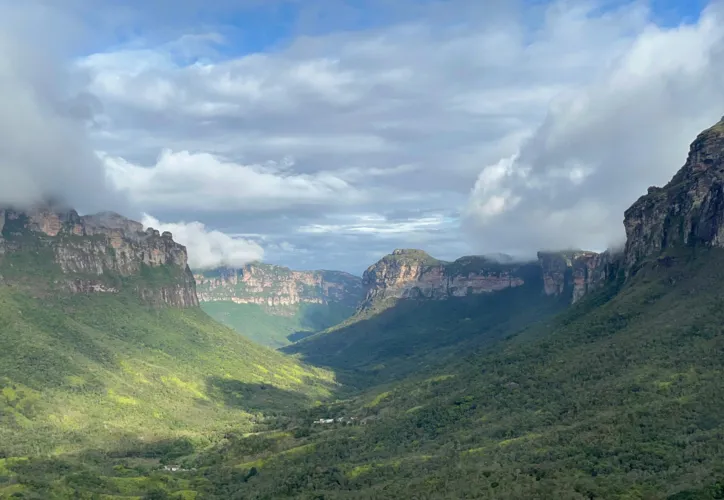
(500, 396)
(281, 326)
(618, 397)
(615, 398)
(104, 371)
(413, 256)
(398, 338)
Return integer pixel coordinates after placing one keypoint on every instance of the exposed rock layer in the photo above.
(688, 211)
(413, 274)
(277, 286)
(410, 273)
(103, 253)
(579, 272)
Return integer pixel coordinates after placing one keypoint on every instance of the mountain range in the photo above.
(580, 375)
(276, 306)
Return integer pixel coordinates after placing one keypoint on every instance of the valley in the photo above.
(274, 305)
(580, 375)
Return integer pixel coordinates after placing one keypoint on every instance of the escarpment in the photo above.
(688, 211)
(101, 253)
(575, 272)
(277, 286)
(410, 274)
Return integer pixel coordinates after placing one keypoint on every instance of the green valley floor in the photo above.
(619, 397)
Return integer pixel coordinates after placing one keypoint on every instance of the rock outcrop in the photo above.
(102, 253)
(276, 287)
(576, 272)
(407, 273)
(688, 211)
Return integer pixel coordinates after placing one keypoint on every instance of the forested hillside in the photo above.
(513, 394)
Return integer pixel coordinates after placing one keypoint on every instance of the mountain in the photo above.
(688, 211)
(102, 253)
(413, 274)
(274, 305)
(614, 396)
(104, 345)
(617, 397)
(576, 273)
(398, 327)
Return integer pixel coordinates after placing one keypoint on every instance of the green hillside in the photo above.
(81, 371)
(619, 397)
(395, 338)
(283, 325)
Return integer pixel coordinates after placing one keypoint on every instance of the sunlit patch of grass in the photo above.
(378, 399)
(189, 387)
(520, 439)
(120, 399)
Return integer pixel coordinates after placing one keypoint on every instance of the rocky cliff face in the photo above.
(577, 272)
(407, 273)
(100, 253)
(688, 211)
(276, 286)
(414, 274)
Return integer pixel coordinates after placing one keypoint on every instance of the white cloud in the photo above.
(208, 249)
(202, 181)
(45, 150)
(585, 104)
(380, 226)
(603, 144)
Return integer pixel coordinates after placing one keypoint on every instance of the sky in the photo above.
(325, 134)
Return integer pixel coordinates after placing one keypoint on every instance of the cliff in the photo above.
(688, 211)
(407, 273)
(277, 286)
(415, 274)
(576, 272)
(101, 253)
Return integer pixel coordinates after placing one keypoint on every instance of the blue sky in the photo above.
(324, 134)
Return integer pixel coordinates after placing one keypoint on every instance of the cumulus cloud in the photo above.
(380, 121)
(601, 145)
(207, 248)
(378, 225)
(45, 151)
(559, 114)
(202, 181)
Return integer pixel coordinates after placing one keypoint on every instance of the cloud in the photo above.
(552, 112)
(208, 249)
(202, 181)
(377, 225)
(45, 151)
(601, 145)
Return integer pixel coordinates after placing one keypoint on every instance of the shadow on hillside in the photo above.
(253, 398)
(300, 335)
(410, 335)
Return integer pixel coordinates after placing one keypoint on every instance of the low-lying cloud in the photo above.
(207, 248)
(45, 151)
(603, 144)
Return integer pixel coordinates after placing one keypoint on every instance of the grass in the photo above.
(399, 338)
(616, 398)
(280, 326)
(93, 371)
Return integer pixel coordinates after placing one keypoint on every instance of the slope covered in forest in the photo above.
(618, 396)
(103, 343)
